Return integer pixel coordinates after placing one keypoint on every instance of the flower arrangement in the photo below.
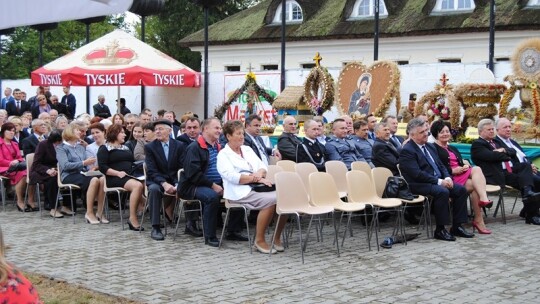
(319, 78)
(439, 109)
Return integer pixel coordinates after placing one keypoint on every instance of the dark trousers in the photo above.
(521, 176)
(50, 190)
(441, 208)
(155, 195)
(211, 211)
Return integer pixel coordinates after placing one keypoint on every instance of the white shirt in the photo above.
(521, 156)
(229, 166)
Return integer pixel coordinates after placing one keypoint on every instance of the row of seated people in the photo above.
(206, 176)
(493, 155)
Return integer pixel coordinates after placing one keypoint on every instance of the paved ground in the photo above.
(498, 268)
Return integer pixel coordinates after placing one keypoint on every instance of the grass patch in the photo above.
(53, 291)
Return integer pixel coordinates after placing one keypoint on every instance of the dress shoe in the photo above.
(411, 218)
(90, 221)
(443, 235)
(131, 227)
(262, 250)
(522, 213)
(480, 229)
(191, 230)
(214, 242)
(461, 232)
(530, 196)
(156, 234)
(485, 204)
(56, 214)
(234, 236)
(534, 220)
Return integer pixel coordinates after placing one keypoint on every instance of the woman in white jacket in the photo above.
(241, 169)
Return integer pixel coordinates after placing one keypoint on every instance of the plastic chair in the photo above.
(62, 186)
(29, 161)
(271, 172)
(3, 190)
(338, 171)
(304, 170)
(118, 191)
(380, 176)
(324, 192)
(182, 203)
(230, 206)
(286, 165)
(292, 198)
(362, 166)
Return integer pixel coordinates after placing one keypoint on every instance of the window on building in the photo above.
(450, 60)
(269, 67)
(293, 12)
(366, 9)
(232, 68)
(402, 62)
(446, 6)
(533, 3)
(308, 65)
(502, 59)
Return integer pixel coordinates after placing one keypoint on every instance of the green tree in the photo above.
(20, 50)
(181, 18)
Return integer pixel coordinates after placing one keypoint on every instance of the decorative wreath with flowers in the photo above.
(319, 79)
(254, 92)
(439, 103)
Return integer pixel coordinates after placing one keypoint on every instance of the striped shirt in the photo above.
(212, 172)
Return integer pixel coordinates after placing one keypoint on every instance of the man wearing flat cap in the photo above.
(164, 157)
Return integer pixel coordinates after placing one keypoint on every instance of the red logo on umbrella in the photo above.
(112, 54)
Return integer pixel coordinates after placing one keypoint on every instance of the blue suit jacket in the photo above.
(158, 168)
(415, 168)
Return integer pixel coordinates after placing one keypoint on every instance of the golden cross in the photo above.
(317, 59)
(444, 79)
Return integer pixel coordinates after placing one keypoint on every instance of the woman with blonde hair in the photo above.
(14, 287)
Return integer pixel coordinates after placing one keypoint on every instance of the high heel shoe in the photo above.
(26, 209)
(131, 227)
(480, 229)
(91, 221)
(485, 204)
(102, 219)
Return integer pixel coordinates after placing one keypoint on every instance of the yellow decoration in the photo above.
(317, 59)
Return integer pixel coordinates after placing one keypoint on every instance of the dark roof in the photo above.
(327, 19)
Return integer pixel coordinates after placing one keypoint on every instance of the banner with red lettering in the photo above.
(116, 59)
(270, 82)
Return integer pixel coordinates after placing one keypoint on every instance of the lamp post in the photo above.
(376, 36)
(87, 23)
(491, 35)
(283, 40)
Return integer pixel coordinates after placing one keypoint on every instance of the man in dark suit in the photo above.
(392, 123)
(18, 106)
(311, 150)
(371, 121)
(253, 139)
(426, 175)
(39, 129)
(501, 167)
(504, 139)
(384, 153)
(70, 102)
(288, 142)
(171, 116)
(100, 109)
(164, 157)
(192, 130)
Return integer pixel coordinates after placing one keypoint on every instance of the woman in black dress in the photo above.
(115, 160)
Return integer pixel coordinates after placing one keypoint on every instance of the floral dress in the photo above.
(18, 290)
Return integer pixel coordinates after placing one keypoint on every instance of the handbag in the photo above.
(257, 187)
(397, 187)
(20, 166)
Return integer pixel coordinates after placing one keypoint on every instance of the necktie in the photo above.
(371, 135)
(18, 105)
(436, 170)
(262, 152)
(40, 138)
(166, 151)
(396, 142)
(506, 163)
